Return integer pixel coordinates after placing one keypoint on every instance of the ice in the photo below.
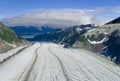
(52, 62)
(17, 67)
(10, 53)
(56, 63)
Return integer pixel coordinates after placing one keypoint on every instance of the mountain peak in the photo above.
(115, 21)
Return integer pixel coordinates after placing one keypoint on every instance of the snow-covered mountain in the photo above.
(90, 37)
(104, 39)
(65, 36)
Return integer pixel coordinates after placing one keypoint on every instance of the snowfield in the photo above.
(52, 62)
(5, 56)
(15, 69)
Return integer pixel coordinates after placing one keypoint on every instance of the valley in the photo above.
(60, 40)
(52, 62)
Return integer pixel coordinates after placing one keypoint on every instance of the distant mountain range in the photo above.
(63, 35)
(100, 39)
(31, 31)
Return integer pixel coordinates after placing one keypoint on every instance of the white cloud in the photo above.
(59, 18)
(117, 10)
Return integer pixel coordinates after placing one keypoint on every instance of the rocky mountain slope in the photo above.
(104, 39)
(8, 39)
(112, 48)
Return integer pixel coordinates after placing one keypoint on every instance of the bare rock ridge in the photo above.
(115, 21)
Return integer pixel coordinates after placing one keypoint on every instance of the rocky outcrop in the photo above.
(112, 46)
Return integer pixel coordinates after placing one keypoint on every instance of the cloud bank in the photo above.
(61, 18)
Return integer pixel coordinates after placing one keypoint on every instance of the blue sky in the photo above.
(98, 9)
(14, 7)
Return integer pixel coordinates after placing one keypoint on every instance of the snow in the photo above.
(79, 30)
(12, 45)
(97, 42)
(10, 53)
(52, 62)
(56, 63)
(17, 67)
(103, 29)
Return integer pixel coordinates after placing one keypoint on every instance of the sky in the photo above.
(13, 12)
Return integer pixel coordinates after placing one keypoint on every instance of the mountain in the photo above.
(112, 48)
(100, 39)
(31, 31)
(67, 35)
(8, 38)
(115, 21)
(104, 39)
(90, 37)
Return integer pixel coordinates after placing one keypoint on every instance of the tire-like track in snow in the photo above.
(79, 63)
(55, 63)
(18, 67)
(103, 66)
(47, 67)
(73, 69)
(35, 59)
